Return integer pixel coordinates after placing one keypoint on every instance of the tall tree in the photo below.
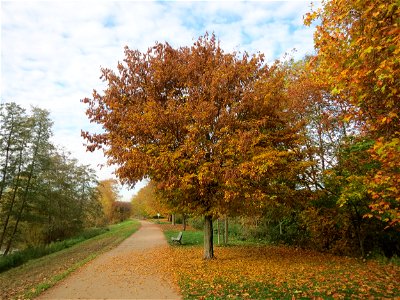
(14, 142)
(213, 130)
(358, 48)
(45, 195)
(38, 152)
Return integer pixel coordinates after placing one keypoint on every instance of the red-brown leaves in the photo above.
(189, 118)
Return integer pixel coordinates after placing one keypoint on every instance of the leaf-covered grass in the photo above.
(276, 272)
(18, 258)
(30, 279)
(279, 272)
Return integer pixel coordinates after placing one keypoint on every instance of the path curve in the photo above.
(119, 273)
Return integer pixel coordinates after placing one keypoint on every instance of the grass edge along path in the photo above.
(41, 287)
(275, 272)
(16, 259)
(34, 277)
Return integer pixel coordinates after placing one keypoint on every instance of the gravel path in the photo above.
(126, 272)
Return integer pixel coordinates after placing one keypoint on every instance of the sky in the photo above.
(52, 51)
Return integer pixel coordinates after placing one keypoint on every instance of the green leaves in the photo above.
(44, 194)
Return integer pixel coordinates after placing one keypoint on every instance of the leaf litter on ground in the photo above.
(251, 272)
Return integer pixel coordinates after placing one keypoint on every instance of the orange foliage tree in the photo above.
(215, 131)
(358, 50)
(148, 203)
(108, 194)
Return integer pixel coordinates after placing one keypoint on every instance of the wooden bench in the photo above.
(177, 239)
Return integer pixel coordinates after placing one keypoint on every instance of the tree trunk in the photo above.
(226, 231)
(16, 186)
(26, 191)
(7, 157)
(218, 230)
(208, 238)
(173, 219)
(15, 228)
(184, 222)
(357, 228)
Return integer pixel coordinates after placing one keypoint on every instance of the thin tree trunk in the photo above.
(218, 231)
(3, 181)
(173, 219)
(24, 200)
(321, 148)
(357, 228)
(226, 231)
(208, 238)
(184, 222)
(15, 228)
(12, 201)
(26, 191)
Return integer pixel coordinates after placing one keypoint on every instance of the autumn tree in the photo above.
(147, 202)
(215, 131)
(109, 194)
(358, 48)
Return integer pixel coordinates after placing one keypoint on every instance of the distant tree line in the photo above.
(114, 210)
(45, 195)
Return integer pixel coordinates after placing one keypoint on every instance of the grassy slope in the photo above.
(274, 272)
(28, 280)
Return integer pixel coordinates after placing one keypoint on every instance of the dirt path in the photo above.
(126, 272)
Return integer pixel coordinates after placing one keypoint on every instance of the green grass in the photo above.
(196, 237)
(189, 238)
(18, 258)
(41, 287)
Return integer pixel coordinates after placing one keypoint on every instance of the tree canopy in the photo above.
(358, 49)
(216, 131)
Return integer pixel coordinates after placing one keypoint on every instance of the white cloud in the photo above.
(52, 51)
